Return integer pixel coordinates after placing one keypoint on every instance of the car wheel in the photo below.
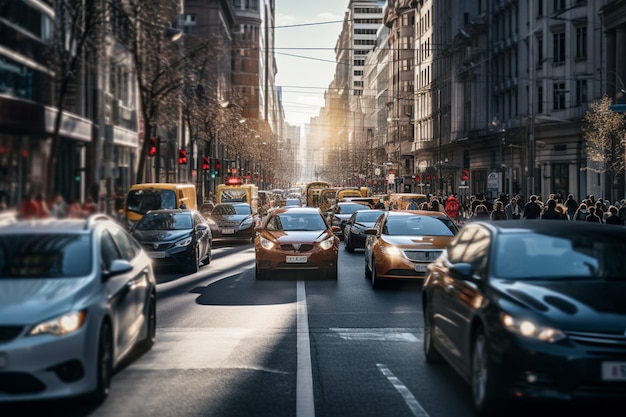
(260, 275)
(430, 351)
(484, 391)
(104, 365)
(347, 245)
(332, 273)
(207, 260)
(147, 343)
(195, 264)
(368, 271)
(375, 280)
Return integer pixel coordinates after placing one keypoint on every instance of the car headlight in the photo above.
(183, 242)
(246, 224)
(266, 243)
(59, 326)
(328, 243)
(530, 329)
(390, 250)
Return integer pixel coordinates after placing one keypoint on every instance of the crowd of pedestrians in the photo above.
(36, 207)
(554, 207)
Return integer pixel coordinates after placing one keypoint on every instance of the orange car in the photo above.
(296, 238)
(402, 244)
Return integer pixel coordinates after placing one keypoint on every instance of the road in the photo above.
(294, 346)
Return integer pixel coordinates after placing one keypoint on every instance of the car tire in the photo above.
(368, 271)
(209, 255)
(195, 264)
(147, 343)
(376, 283)
(332, 273)
(104, 365)
(260, 275)
(430, 351)
(483, 378)
(347, 245)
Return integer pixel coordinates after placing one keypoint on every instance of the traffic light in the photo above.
(465, 176)
(206, 163)
(218, 167)
(182, 157)
(153, 147)
(77, 174)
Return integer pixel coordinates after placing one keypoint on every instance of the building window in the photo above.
(539, 99)
(581, 42)
(560, 179)
(559, 5)
(559, 96)
(359, 62)
(559, 47)
(358, 73)
(581, 92)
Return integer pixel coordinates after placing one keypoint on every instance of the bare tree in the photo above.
(604, 135)
(76, 32)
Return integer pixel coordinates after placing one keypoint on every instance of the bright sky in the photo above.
(305, 74)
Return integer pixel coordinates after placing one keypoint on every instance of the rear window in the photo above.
(142, 201)
(45, 256)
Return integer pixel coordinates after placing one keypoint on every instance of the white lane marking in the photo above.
(410, 400)
(305, 404)
(372, 334)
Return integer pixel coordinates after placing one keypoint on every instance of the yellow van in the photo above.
(158, 195)
(400, 201)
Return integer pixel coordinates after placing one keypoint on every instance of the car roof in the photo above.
(550, 227)
(431, 213)
(232, 204)
(166, 211)
(54, 225)
(297, 210)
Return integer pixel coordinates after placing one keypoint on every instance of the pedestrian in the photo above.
(74, 210)
(29, 209)
(58, 208)
(452, 207)
(550, 212)
(89, 207)
(613, 217)
(532, 209)
(480, 213)
(513, 210)
(498, 212)
(592, 216)
(412, 205)
(581, 212)
(572, 206)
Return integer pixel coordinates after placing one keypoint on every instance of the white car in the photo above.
(76, 297)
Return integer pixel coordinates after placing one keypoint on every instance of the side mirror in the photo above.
(463, 271)
(371, 231)
(118, 266)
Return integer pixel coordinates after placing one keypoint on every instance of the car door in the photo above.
(203, 234)
(126, 290)
(463, 298)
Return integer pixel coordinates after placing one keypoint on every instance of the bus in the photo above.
(312, 192)
(235, 191)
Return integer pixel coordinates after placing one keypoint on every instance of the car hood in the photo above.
(159, 235)
(418, 241)
(230, 218)
(32, 300)
(572, 304)
(300, 236)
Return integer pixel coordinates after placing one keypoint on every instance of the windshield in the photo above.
(229, 210)
(142, 201)
(165, 221)
(418, 226)
(301, 222)
(367, 216)
(45, 256)
(351, 208)
(536, 255)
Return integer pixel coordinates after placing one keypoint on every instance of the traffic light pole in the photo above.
(157, 161)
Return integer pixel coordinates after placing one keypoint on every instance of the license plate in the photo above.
(296, 259)
(228, 231)
(614, 371)
(420, 267)
(156, 255)
(3, 360)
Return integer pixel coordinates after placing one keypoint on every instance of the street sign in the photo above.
(618, 108)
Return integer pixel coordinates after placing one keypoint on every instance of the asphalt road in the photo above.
(293, 346)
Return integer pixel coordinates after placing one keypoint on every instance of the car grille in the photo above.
(290, 248)
(228, 224)
(20, 383)
(422, 255)
(599, 340)
(162, 246)
(8, 333)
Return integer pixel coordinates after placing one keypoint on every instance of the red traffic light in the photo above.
(206, 163)
(182, 157)
(465, 175)
(218, 165)
(153, 147)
